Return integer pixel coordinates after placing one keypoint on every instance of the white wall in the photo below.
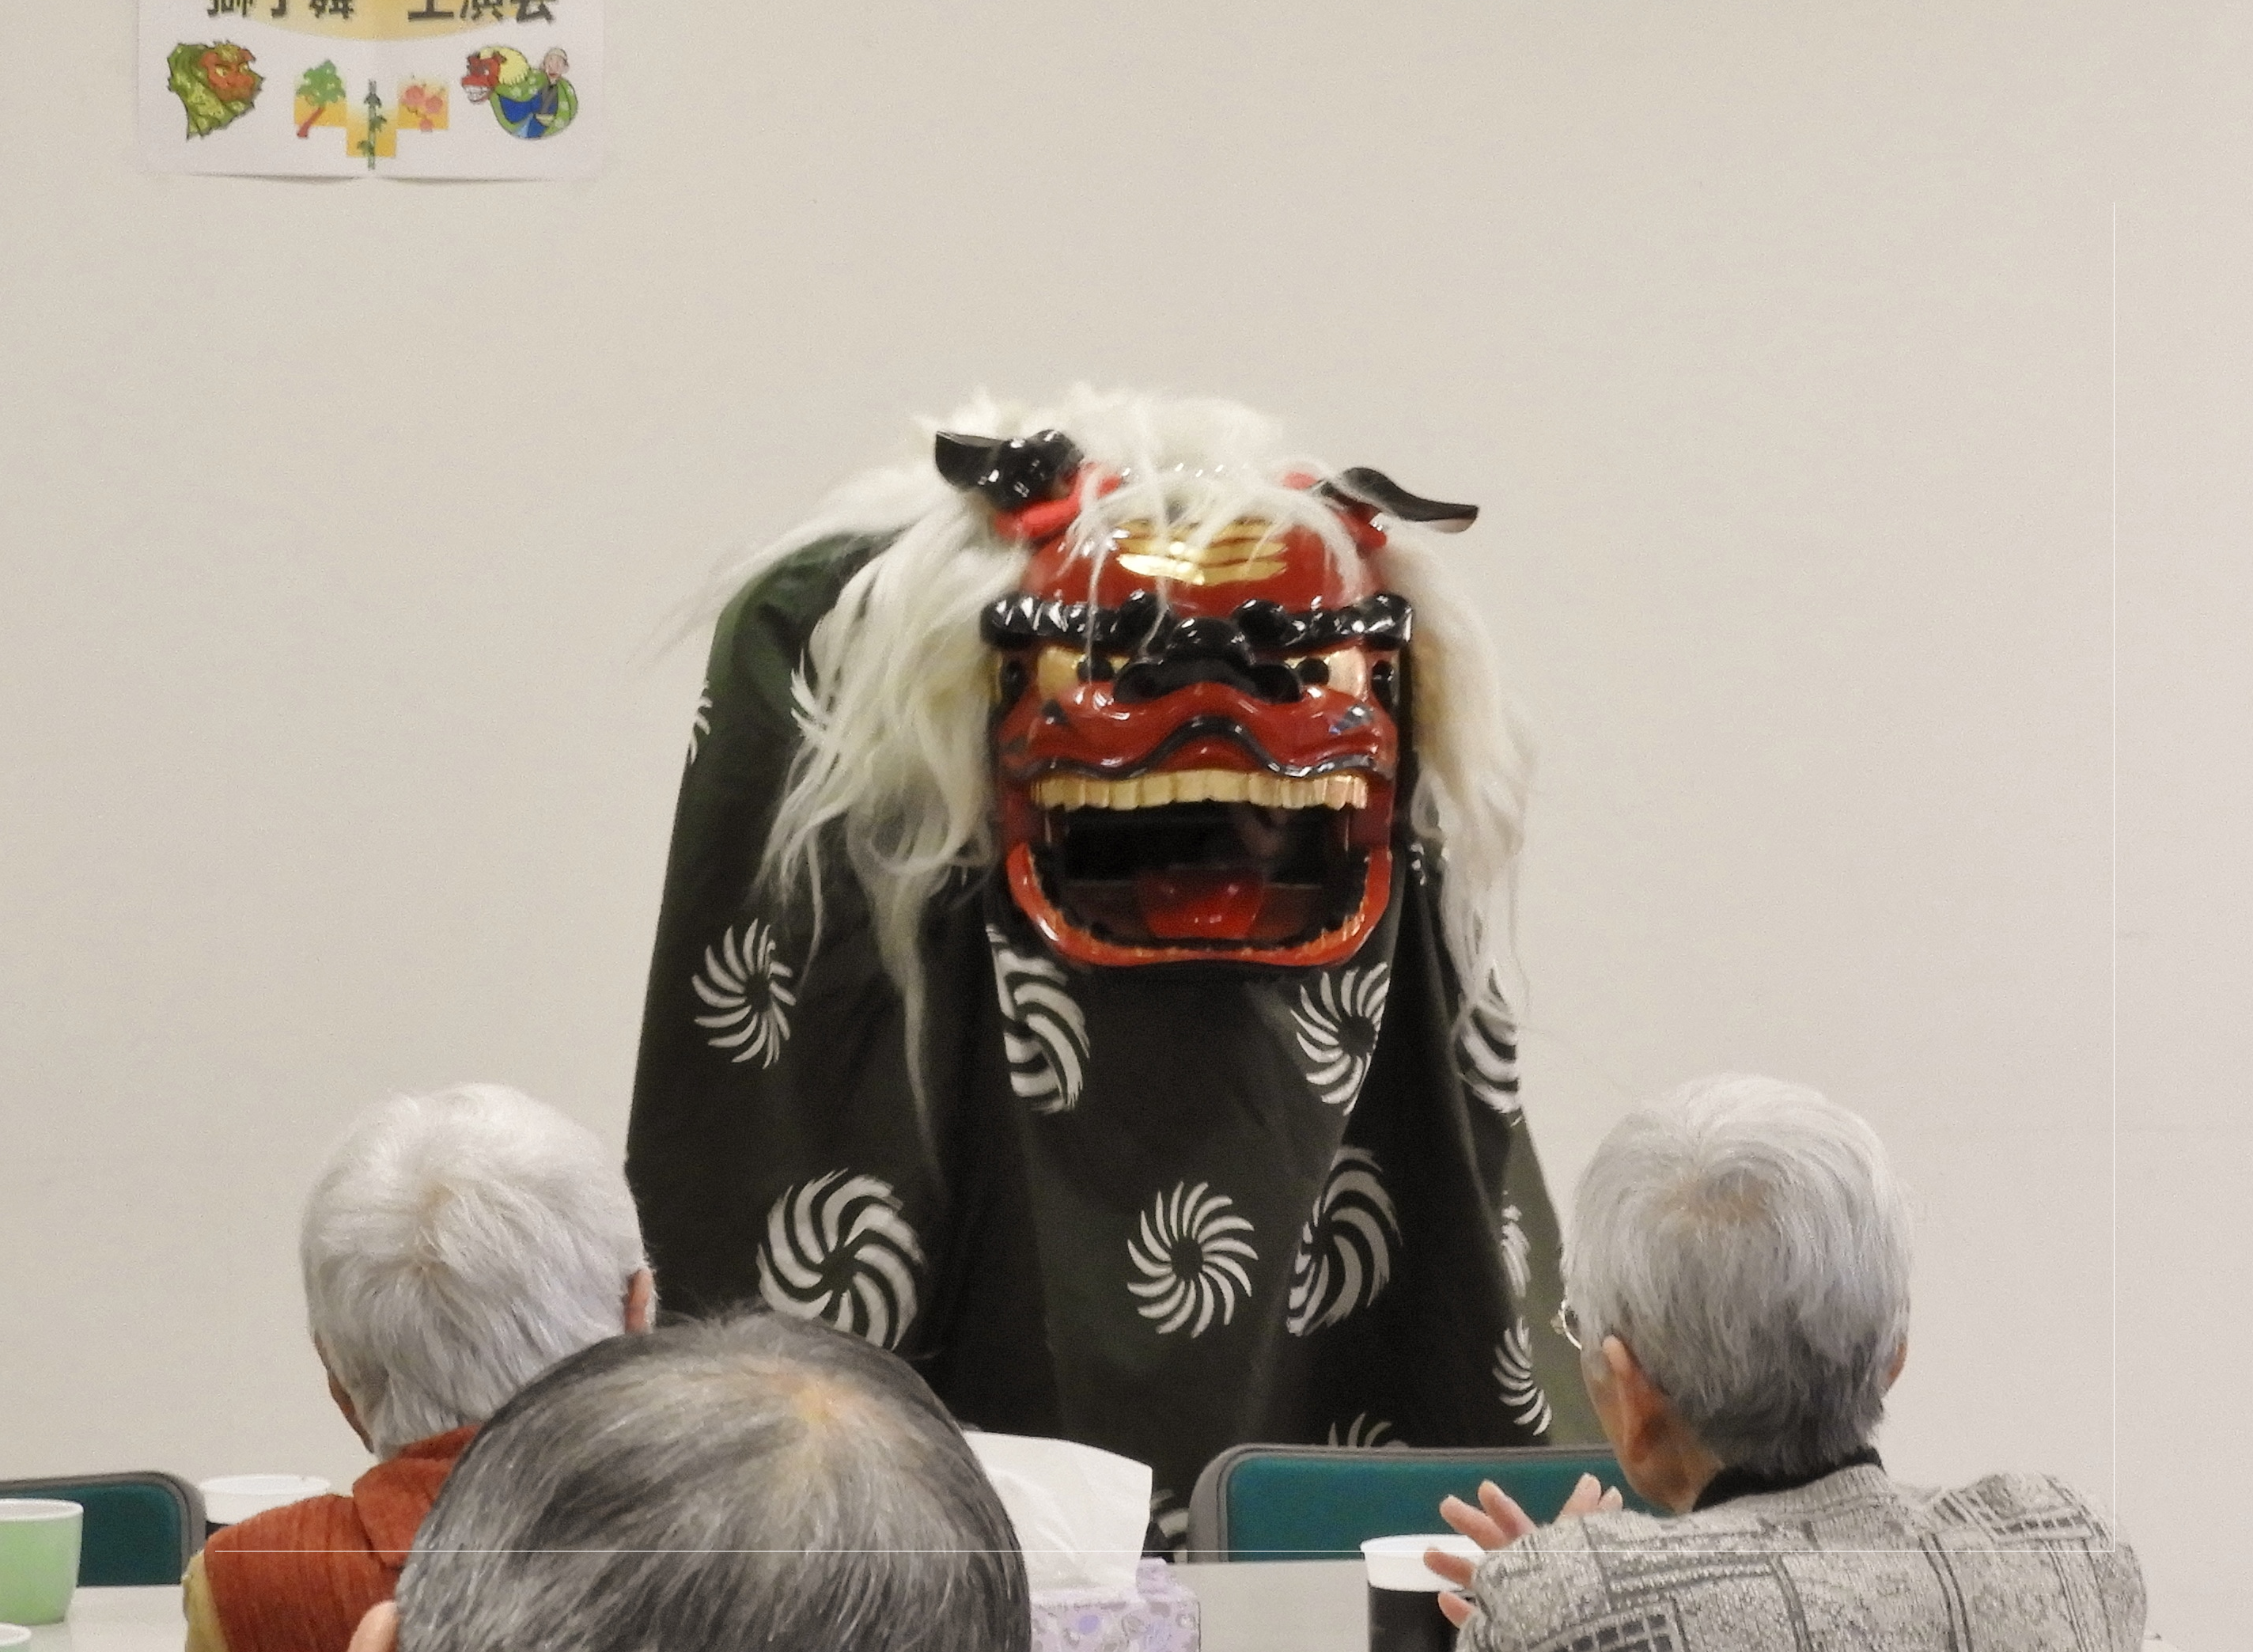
(1776, 339)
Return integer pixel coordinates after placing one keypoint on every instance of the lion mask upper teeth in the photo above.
(1201, 785)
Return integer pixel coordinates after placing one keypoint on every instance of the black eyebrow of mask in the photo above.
(1141, 623)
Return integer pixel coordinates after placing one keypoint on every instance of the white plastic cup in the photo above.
(1404, 1593)
(232, 1497)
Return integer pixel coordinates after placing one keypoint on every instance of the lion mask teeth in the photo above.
(1201, 785)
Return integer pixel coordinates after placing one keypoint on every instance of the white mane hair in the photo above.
(894, 768)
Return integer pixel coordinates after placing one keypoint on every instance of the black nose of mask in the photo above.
(1205, 650)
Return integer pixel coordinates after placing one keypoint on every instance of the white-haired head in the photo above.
(894, 768)
(1747, 1240)
(455, 1247)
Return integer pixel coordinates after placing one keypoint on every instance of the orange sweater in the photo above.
(300, 1579)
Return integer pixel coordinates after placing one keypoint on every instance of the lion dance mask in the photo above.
(1079, 964)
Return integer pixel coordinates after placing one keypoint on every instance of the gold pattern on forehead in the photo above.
(1247, 548)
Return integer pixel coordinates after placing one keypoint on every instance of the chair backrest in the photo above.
(1318, 1502)
(140, 1527)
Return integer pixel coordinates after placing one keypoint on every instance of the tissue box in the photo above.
(1161, 1617)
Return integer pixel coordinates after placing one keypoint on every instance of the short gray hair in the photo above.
(455, 1247)
(1744, 1237)
(763, 1481)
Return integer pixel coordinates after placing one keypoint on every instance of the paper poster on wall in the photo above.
(373, 88)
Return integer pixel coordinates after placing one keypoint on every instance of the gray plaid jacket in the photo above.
(2013, 1563)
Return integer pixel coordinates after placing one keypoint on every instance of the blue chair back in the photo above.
(1319, 1503)
(140, 1527)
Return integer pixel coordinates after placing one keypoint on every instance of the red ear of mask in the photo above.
(1040, 522)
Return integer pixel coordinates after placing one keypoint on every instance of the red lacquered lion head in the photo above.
(1196, 737)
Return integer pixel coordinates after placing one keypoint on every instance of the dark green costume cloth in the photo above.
(1161, 1211)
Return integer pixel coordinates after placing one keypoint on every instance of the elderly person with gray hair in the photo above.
(763, 1482)
(1738, 1284)
(455, 1247)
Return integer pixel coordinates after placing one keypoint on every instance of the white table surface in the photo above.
(1284, 1605)
(1280, 1606)
(117, 1621)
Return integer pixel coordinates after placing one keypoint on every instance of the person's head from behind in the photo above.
(762, 1482)
(455, 1247)
(1739, 1265)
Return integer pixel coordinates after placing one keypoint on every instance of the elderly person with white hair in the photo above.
(456, 1246)
(1737, 1278)
(762, 1482)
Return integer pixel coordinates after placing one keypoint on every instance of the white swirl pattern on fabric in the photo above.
(1513, 1374)
(1366, 1433)
(1192, 1258)
(749, 988)
(700, 724)
(1345, 1250)
(1043, 1031)
(838, 1250)
(1339, 1018)
(1486, 1057)
(1172, 1521)
(1516, 1252)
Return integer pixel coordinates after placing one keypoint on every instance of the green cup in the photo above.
(38, 1558)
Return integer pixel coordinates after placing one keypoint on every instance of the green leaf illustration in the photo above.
(322, 86)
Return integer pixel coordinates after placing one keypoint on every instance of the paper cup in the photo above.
(232, 1497)
(38, 1558)
(1404, 1593)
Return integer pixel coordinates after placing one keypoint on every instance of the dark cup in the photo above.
(1408, 1620)
(1404, 1595)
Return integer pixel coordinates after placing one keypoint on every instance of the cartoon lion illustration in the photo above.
(215, 84)
(528, 103)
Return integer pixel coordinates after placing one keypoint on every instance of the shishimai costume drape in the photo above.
(1078, 962)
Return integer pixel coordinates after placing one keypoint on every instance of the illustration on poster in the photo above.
(375, 70)
(528, 103)
(215, 84)
(320, 98)
(423, 103)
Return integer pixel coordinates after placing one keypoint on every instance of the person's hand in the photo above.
(378, 1631)
(1496, 1524)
